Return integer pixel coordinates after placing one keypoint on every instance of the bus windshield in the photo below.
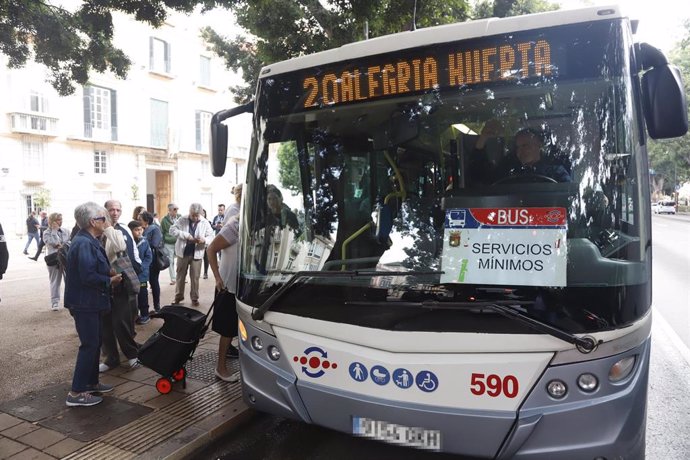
(489, 170)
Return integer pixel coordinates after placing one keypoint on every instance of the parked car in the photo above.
(655, 207)
(666, 207)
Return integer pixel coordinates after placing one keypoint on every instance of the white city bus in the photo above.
(396, 283)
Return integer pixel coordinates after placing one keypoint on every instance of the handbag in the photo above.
(51, 259)
(123, 265)
(162, 259)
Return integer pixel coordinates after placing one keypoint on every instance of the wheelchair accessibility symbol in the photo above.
(426, 381)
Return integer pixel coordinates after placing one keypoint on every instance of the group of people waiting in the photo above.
(103, 306)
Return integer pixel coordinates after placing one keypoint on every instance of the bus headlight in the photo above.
(587, 382)
(273, 353)
(243, 330)
(622, 368)
(257, 344)
(557, 389)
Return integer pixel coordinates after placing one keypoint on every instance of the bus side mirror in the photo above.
(219, 147)
(219, 136)
(664, 102)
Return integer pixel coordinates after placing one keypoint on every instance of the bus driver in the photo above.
(529, 159)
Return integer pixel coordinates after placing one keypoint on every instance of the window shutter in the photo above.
(197, 124)
(151, 57)
(113, 115)
(167, 57)
(88, 91)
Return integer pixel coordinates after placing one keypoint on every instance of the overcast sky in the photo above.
(661, 21)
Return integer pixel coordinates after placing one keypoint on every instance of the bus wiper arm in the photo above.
(583, 344)
(258, 314)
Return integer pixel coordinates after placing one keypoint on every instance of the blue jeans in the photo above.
(88, 325)
(32, 236)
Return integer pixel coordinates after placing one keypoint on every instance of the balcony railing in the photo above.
(33, 123)
(100, 134)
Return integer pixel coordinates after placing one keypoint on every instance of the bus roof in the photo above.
(444, 34)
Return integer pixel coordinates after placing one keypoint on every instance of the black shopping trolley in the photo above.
(168, 350)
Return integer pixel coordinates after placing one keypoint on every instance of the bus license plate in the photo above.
(397, 434)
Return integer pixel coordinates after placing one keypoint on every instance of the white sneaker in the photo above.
(103, 367)
(132, 363)
(55, 307)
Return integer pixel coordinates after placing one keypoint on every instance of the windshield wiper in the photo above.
(503, 307)
(258, 314)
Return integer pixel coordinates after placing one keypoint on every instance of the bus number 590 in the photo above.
(494, 385)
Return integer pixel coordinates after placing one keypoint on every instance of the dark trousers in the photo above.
(205, 264)
(41, 244)
(143, 301)
(88, 325)
(155, 286)
(118, 328)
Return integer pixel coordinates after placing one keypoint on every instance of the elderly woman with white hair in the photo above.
(55, 237)
(87, 296)
(193, 233)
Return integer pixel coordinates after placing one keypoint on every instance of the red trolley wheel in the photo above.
(179, 374)
(163, 385)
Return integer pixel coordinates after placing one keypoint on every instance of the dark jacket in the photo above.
(31, 223)
(129, 241)
(146, 256)
(483, 171)
(154, 236)
(4, 254)
(87, 284)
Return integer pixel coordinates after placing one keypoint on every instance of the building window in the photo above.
(33, 157)
(159, 123)
(203, 129)
(100, 113)
(205, 168)
(30, 205)
(38, 102)
(100, 162)
(159, 55)
(204, 71)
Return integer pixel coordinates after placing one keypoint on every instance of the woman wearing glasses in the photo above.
(55, 237)
(87, 295)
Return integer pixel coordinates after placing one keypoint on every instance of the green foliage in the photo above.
(506, 8)
(73, 43)
(42, 198)
(283, 29)
(670, 158)
(288, 168)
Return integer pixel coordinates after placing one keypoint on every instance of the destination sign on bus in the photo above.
(430, 68)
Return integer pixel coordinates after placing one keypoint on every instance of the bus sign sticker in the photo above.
(426, 381)
(358, 372)
(518, 245)
(402, 378)
(380, 375)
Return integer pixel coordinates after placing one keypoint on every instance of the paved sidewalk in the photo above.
(134, 420)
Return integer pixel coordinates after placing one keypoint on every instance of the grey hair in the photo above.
(196, 208)
(87, 211)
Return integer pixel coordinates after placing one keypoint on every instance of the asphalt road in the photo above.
(266, 437)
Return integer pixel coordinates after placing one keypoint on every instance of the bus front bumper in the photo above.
(608, 423)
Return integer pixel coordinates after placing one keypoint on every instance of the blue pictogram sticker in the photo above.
(380, 375)
(426, 381)
(402, 378)
(358, 371)
(456, 218)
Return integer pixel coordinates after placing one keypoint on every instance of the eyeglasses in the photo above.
(101, 218)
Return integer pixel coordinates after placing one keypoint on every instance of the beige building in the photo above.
(143, 140)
